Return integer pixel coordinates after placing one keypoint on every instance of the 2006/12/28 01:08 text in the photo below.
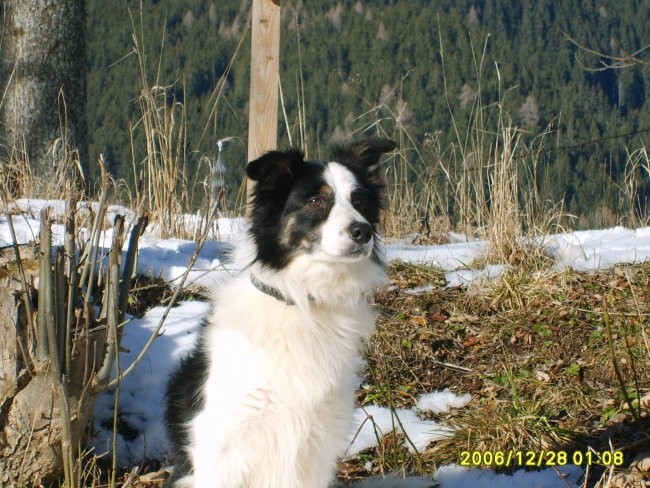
(540, 459)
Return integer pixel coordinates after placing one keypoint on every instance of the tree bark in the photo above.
(44, 111)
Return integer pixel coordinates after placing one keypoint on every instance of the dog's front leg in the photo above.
(215, 453)
(255, 446)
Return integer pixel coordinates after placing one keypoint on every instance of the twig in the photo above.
(454, 367)
(623, 314)
(562, 477)
(613, 62)
(110, 303)
(27, 299)
(44, 290)
(617, 371)
(88, 272)
(129, 262)
(116, 401)
(73, 279)
(68, 449)
(48, 318)
(629, 348)
(60, 304)
(87, 279)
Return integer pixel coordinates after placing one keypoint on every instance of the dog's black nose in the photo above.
(360, 232)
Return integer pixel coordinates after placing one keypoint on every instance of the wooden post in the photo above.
(265, 66)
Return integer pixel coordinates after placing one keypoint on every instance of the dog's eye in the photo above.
(358, 199)
(317, 202)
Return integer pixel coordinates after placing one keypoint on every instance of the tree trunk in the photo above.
(44, 110)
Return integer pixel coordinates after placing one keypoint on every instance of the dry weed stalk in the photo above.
(163, 169)
(67, 179)
(504, 228)
(636, 177)
(161, 179)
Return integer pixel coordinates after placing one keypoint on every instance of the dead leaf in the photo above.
(418, 320)
(470, 341)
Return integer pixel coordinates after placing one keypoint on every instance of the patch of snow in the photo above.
(464, 277)
(418, 290)
(371, 423)
(442, 401)
(141, 394)
(446, 256)
(454, 476)
(596, 249)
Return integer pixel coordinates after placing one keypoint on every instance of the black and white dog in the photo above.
(266, 397)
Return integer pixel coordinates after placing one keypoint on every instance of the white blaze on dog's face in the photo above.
(345, 233)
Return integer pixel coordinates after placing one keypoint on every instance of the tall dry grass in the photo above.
(161, 177)
(635, 179)
(67, 180)
(174, 177)
(162, 186)
(485, 184)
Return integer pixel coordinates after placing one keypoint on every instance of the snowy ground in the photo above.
(141, 393)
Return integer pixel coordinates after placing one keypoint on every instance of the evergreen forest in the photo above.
(570, 75)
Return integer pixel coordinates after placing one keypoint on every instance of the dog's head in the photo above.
(328, 210)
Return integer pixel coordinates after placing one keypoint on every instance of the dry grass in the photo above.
(485, 185)
(161, 180)
(18, 180)
(174, 177)
(162, 187)
(532, 350)
(636, 176)
(504, 221)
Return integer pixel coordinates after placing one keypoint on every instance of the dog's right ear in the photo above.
(275, 166)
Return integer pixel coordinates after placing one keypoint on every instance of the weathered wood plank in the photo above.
(265, 65)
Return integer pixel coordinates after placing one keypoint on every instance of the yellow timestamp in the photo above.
(540, 459)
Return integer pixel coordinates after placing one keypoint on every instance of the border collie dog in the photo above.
(265, 398)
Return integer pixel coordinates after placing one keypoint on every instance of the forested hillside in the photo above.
(430, 74)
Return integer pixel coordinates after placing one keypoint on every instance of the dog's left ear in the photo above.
(275, 165)
(363, 155)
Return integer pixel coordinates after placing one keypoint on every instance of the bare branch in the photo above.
(141, 222)
(27, 299)
(607, 61)
(44, 290)
(110, 303)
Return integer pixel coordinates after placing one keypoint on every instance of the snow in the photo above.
(454, 476)
(596, 249)
(372, 422)
(442, 401)
(463, 277)
(141, 393)
(168, 259)
(449, 257)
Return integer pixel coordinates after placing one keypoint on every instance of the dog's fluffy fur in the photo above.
(266, 397)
